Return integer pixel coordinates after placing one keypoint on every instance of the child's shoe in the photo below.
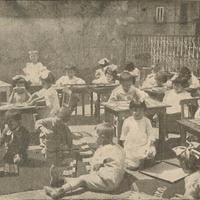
(54, 193)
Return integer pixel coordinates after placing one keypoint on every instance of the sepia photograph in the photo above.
(100, 99)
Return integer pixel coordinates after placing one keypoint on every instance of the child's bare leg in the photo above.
(73, 184)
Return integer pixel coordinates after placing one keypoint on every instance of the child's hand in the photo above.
(97, 167)
(15, 89)
(17, 158)
(150, 151)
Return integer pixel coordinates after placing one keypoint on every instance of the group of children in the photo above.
(137, 141)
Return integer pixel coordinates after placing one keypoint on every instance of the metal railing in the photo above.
(171, 52)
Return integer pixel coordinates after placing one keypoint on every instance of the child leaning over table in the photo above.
(126, 90)
(19, 93)
(107, 168)
(55, 135)
(47, 95)
(137, 136)
(16, 139)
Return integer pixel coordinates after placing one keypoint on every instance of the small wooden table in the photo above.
(188, 125)
(120, 110)
(24, 109)
(5, 87)
(156, 93)
(99, 90)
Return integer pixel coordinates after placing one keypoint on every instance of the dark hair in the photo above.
(64, 113)
(21, 80)
(129, 66)
(111, 72)
(162, 77)
(125, 76)
(14, 114)
(50, 78)
(136, 103)
(185, 72)
(181, 80)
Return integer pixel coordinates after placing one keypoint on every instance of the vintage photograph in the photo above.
(100, 99)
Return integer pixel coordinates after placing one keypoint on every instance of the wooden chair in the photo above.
(189, 107)
(67, 100)
(188, 110)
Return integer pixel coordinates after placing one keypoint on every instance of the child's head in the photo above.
(103, 62)
(111, 75)
(20, 82)
(185, 72)
(70, 71)
(126, 81)
(47, 78)
(161, 78)
(179, 84)
(129, 66)
(192, 186)
(33, 55)
(13, 119)
(137, 108)
(105, 134)
(156, 68)
(64, 114)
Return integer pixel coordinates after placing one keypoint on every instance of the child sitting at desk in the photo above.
(173, 98)
(126, 90)
(55, 135)
(103, 63)
(34, 68)
(135, 72)
(69, 78)
(193, 81)
(16, 139)
(47, 94)
(19, 93)
(137, 136)
(107, 168)
(110, 76)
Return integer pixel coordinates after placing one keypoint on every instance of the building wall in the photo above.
(80, 31)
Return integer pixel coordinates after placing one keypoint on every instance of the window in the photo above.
(160, 14)
(183, 13)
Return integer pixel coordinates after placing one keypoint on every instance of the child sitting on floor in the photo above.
(16, 139)
(47, 94)
(55, 135)
(126, 90)
(69, 78)
(19, 93)
(34, 68)
(107, 168)
(137, 136)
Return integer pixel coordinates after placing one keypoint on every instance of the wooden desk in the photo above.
(79, 89)
(156, 93)
(99, 90)
(120, 110)
(25, 110)
(5, 87)
(188, 125)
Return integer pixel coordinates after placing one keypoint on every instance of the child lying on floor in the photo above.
(107, 168)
